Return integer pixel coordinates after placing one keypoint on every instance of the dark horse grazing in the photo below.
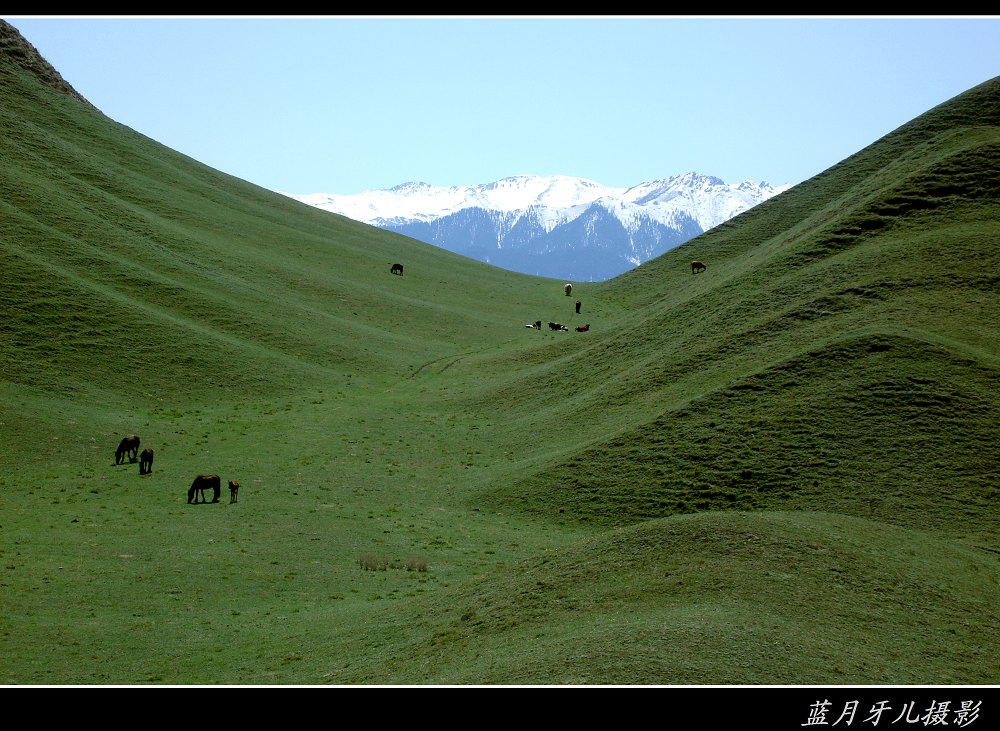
(203, 482)
(146, 461)
(234, 488)
(697, 266)
(130, 446)
(396, 269)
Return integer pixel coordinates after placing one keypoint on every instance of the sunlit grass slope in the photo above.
(781, 470)
(840, 353)
(715, 598)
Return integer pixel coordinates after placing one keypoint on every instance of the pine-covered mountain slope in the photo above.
(779, 470)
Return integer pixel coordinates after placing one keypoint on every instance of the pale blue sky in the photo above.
(344, 104)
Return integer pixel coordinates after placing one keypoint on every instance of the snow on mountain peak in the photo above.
(553, 199)
(553, 225)
(424, 202)
(410, 188)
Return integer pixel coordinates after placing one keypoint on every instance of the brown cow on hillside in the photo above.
(697, 266)
(582, 328)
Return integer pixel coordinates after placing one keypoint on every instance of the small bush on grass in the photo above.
(416, 563)
(377, 562)
(374, 562)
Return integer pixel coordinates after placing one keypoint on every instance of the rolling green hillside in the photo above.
(782, 470)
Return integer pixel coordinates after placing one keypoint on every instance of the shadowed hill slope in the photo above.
(121, 256)
(781, 470)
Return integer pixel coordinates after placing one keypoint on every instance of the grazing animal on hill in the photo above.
(234, 488)
(396, 269)
(697, 266)
(582, 328)
(578, 305)
(537, 325)
(567, 289)
(557, 326)
(202, 483)
(146, 461)
(130, 446)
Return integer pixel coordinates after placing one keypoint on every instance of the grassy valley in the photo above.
(782, 470)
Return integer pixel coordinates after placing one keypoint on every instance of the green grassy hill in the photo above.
(782, 470)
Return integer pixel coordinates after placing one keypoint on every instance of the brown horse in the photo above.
(203, 482)
(697, 266)
(130, 446)
(146, 461)
(234, 489)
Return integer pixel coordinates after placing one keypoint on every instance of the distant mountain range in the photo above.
(553, 226)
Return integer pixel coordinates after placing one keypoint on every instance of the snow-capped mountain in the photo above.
(554, 226)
